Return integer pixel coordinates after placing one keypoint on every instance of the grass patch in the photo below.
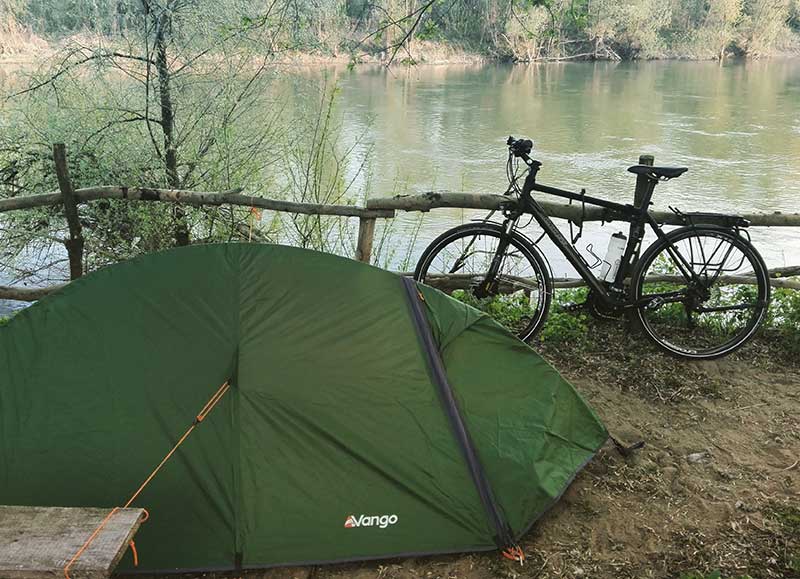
(788, 517)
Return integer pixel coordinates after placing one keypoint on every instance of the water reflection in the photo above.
(737, 127)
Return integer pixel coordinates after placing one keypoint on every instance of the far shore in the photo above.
(424, 54)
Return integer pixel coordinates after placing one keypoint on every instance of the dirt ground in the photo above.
(716, 487)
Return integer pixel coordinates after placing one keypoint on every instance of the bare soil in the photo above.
(716, 486)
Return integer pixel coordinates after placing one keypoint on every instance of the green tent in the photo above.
(367, 416)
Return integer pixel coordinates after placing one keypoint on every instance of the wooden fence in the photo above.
(378, 208)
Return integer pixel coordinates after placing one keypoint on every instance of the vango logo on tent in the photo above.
(381, 521)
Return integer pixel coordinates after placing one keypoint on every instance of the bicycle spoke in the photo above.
(512, 290)
(714, 309)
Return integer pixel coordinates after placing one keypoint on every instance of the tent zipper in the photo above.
(504, 537)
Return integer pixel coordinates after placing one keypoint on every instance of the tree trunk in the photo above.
(75, 242)
(163, 25)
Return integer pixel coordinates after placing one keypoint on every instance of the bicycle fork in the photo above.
(490, 284)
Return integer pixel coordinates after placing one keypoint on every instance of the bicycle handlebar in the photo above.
(519, 147)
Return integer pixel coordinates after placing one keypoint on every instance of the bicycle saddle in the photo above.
(658, 172)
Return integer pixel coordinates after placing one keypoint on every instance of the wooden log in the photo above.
(75, 242)
(450, 282)
(567, 283)
(23, 294)
(780, 277)
(489, 201)
(366, 235)
(380, 208)
(789, 271)
(194, 198)
(37, 542)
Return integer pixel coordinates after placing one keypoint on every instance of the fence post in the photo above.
(638, 197)
(74, 244)
(642, 180)
(366, 234)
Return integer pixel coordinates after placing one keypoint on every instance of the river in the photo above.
(736, 126)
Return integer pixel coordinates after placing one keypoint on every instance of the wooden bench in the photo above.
(38, 542)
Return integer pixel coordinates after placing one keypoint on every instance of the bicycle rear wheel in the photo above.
(458, 261)
(708, 314)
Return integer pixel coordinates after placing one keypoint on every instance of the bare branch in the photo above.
(65, 68)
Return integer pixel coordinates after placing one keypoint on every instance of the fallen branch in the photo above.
(574, 212)
(194, 198)
(450, 282)
(461, 281)
(23, 294)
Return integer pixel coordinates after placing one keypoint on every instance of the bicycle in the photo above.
(699, 291)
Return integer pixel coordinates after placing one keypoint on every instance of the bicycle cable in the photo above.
(512, 169)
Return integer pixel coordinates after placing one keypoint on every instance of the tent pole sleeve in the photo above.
(436, 367)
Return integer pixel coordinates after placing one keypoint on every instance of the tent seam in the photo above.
(435, 365)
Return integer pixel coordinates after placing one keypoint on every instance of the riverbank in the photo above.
(35, 50)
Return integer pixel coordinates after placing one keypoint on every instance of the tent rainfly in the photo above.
(367, 416)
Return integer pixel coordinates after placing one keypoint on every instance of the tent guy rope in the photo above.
(212, 402)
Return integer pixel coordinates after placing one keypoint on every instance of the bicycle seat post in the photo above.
(641, 199)
(642, 181)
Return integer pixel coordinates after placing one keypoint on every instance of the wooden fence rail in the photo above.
(378, 208)
(450, 282)
(194, 198)
(574, 212)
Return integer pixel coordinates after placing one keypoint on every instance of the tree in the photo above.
(764, 23)
(179, 99)
(14, 37)
(193, 71)
(721, 25)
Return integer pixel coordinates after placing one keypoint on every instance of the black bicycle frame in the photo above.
(637, 216)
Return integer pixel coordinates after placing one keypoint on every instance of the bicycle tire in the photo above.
(719, 316)
(537, 264)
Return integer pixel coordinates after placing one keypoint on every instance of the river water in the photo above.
(737, 128)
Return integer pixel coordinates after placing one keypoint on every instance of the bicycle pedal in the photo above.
(575, 307)
(654, 304)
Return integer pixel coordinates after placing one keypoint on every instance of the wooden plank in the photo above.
(38, 542)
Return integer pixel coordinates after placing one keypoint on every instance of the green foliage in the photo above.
(229, 128)
(429, 30)
(782, 322)
(517, 29)
(509, 310)
(562, 325)
(513, 311)
(784, 318)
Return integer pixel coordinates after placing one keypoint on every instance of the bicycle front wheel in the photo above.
(701, 293)
(458, 262)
